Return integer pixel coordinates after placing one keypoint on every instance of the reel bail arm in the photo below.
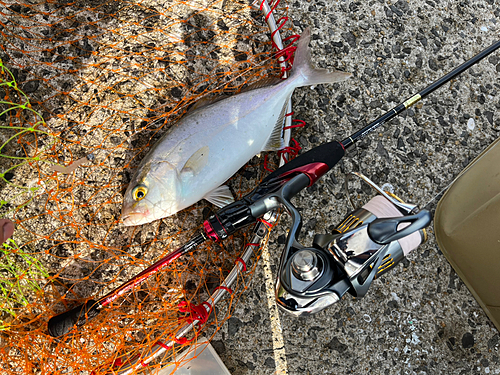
(386, 230)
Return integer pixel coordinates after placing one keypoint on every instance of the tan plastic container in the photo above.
(467, 228)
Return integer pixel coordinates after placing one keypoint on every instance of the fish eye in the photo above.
(139, 192)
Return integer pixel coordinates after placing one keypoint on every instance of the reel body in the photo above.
(369, 242)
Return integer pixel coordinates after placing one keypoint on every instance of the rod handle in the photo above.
(61, 324)
(328, 153)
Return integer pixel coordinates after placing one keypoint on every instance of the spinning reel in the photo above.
(370, 241)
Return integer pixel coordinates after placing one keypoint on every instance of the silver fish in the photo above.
(208, 145)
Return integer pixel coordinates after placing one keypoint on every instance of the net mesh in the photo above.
(86, 88)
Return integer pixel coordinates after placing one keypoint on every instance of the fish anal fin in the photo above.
(220, 196)
(275, 141)
(196, 162)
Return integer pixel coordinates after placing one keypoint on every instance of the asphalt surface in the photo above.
(420, 318)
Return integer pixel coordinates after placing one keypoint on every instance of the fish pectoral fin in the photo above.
(196, 162)
(275, 141)
(220, 196)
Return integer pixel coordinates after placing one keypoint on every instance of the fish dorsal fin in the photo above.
(269, 81)
(275, 141)
(220, 196)
(196, 162)
(206, 101)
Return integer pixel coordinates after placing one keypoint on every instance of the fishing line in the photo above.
(441, 192)
(455, 179)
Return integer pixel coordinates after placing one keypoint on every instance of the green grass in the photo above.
(20, 275)
(19, 119)
(22, 130)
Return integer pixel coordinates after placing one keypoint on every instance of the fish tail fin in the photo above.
(303, 73)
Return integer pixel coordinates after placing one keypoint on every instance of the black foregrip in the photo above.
(329, 153)
(63, 323)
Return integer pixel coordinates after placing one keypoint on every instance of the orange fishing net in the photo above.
(86, 88)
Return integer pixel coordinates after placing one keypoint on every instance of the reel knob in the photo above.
(305, 265)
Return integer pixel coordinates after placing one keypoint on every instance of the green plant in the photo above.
(21, 130)
(20, 274)
(19, 123)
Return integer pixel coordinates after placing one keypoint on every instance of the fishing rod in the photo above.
(274, 191)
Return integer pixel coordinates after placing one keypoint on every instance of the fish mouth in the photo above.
(132, 219)
(127, 220)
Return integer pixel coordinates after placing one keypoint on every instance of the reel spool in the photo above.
(370, 241)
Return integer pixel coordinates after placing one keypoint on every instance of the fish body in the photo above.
(208, 145)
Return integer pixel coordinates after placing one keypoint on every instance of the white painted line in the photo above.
(278, 342)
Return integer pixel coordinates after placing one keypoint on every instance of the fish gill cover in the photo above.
(86, 88)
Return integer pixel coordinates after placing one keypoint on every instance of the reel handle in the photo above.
(384, 231)
(61, 324)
